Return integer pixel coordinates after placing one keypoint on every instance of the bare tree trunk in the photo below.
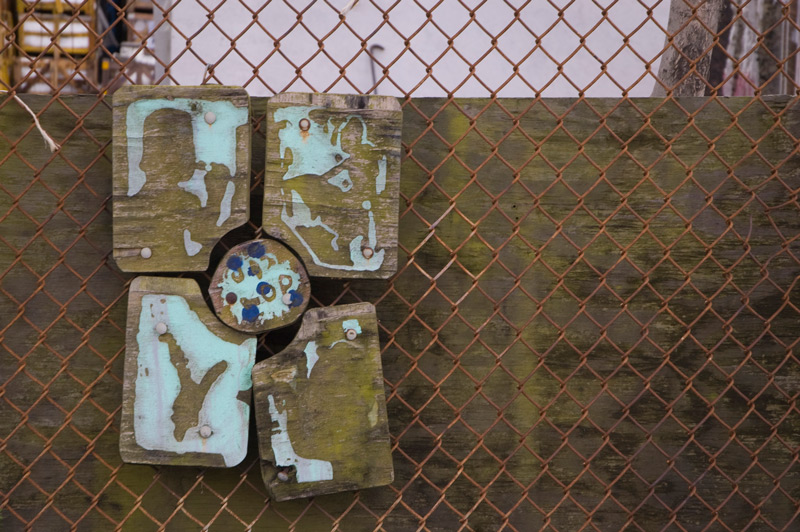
(686, 62)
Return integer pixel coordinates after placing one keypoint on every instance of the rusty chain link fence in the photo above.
(595, 321)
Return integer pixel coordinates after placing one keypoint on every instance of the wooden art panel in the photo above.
(186, 395)
(331, 181)
(181, 174)
(321, 409)
(258, 286)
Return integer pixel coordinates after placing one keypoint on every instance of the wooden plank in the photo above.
(186, 394)
(258, 286)
(321, 410)
(181, 174)
(331, 181)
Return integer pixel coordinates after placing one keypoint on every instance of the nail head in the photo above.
(146, 253)
(282, 476)
(161, 327)
(368, 253)
(350, 334)
(210, 118)
(305, 124)
(205, 431)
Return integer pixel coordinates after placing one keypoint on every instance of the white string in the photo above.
(350, 5)
(48, 140)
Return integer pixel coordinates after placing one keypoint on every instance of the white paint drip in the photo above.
(192, 247)
(380, 179)
(197, 186)
(308, 469)
(158, 384)
(225, 204)
(301, 216)
(311, 356)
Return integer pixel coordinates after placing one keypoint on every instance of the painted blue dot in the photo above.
(250, 313)
(235, 262)
(297, 299)
(256, 250)
(264, 289)
(251, 272)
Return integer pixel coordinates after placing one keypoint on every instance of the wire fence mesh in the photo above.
(595, 321)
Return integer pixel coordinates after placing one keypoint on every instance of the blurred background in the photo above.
(422, 48)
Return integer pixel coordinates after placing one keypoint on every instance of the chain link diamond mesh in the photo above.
(560, 353)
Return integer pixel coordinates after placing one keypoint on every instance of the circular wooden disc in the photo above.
(259, 286)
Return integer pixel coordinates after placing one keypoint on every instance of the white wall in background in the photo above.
(450, 73)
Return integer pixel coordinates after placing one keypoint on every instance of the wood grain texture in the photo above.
(180, 182)
(321, 409)
(258, 286)
(331, 181)
(186, 393)
(486, 331)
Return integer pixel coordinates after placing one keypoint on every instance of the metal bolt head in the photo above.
(368, 253)
(350, 334)
(205, 431)
(161, 327)
(210, 118)
(283, 477)
(287, 299)
(146, 253)
(305, 124)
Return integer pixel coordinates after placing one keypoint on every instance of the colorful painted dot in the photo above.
(264, 289)
(234, 262)
(231, 298)
(297, 298)
(251, 272)
(250, 313)
(256, 250)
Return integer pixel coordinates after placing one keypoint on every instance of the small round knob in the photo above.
(161, 327)
(350, 334)
(146, 253)
(305, 124)
(210, 118)
(283, 477)
(205, 431)
(368, 253)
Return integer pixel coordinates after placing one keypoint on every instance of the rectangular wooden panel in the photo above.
(331, 183)
(181, 174)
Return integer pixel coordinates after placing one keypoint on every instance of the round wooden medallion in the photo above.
(259, 286)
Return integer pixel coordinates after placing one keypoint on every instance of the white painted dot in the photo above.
(367, 205)
(210, 118)
(205, 431)
(161, 327)
(350, 334)
(146, 253)
(368, 253)
(287, 299)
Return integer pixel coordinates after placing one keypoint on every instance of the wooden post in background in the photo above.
(686, 62)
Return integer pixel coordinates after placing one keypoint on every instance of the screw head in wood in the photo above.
(161, 327)
(210, 118)
(146, 253)
(283, 477)
(205, 431)
(350, 334)
(287, 299)
(305, 124)
(368, 253)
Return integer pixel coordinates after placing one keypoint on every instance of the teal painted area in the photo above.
(342, 181)
(311, 357)
(197, 186)
(214, 143)
(225, 203)
(308, 469)
(192, 247)
(158, 385)
(302, 217)
(380, 179)
(279, 275)
(351, 324)
(314, 152)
